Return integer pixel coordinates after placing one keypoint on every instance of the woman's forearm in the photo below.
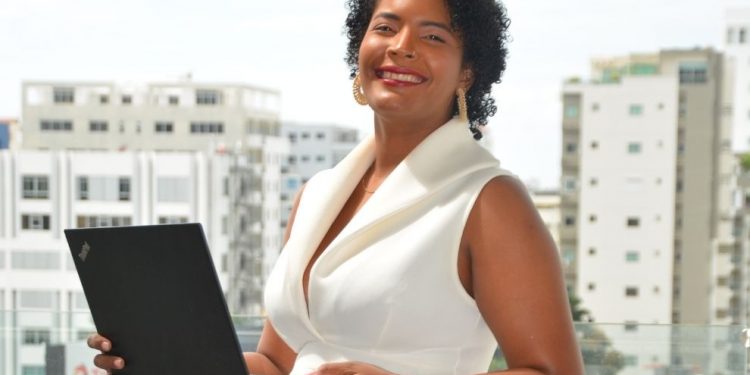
(259, 364)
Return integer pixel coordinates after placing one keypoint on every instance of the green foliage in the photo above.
(745, 162)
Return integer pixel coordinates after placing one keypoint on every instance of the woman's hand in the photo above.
(350, 368)
(104, 361)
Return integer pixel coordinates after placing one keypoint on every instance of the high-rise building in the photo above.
(647, 193)
(313, 148)
(240, 122)
(736, 43)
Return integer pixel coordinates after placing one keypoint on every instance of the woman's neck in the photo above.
(395, 139)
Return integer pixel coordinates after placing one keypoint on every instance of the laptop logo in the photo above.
(84, 251)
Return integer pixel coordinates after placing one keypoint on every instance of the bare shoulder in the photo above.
(502, 202)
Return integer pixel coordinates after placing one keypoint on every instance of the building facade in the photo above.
(312, 149)
(736, 44)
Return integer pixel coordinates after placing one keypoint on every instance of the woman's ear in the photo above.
(466, 79)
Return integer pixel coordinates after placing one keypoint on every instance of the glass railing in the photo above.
(53, 343)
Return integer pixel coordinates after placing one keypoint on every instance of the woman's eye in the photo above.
(384, 28)
(435, 38)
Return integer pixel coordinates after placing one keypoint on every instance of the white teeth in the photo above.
(402, 77)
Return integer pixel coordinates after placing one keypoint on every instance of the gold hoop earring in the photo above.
(359, 94)
(463, 113)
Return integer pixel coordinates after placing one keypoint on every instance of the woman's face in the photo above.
(410, 60)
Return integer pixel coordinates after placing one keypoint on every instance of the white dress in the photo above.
(386, 290)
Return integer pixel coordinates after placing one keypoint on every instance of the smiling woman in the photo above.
(417, 253)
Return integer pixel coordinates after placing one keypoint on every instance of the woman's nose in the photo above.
(403, 46)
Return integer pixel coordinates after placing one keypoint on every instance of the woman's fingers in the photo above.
(98, 342)
(108, 362)
(104, 361)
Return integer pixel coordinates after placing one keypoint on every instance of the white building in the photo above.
(101, 154)
(44, 192)
(737, 48)
(647, 192)
(313, 148)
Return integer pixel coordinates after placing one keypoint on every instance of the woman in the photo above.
(416, 254)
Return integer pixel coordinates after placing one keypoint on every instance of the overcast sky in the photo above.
(297, 47)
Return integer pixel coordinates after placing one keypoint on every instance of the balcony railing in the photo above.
(53, 343)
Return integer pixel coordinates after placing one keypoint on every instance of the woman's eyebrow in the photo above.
(396, 17)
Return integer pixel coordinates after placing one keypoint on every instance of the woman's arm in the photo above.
(274, 356)
(517, 282)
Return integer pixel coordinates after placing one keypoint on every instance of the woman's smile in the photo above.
(399, 76)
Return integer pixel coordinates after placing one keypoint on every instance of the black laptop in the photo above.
(153, 290)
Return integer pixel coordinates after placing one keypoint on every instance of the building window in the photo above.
(292, 159)
(570, 147)
(174, 189)
(95, 221)
(56, 125)
(63, 95)
(33, 370)
(127, 99)
(104, 99)
(305, 158)
(696, 73)
(570, 221)
(633, 222)
(320, 136)
(34, 260)
(636, 109)
(568, 256)
(293, 137)
(35, 222)
(124, 188)
(594, 145)
(36, 336)
(103, 188)
(592, 251)
(98, 126)
(631, 291)
(632, 256)
(631, 326)
(634, 148)
(595, 107)
(591, 287)
(174, 100)
(35, 187)
(305, 135)
(207, 97)
(592, 218)
(173, 220)
(207, 127)
(320, 158)
(569, 183)
(164, 127)
(571, 111)
(742, 36)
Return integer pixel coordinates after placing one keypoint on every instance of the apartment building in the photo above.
(99, 154)
(313, 148)
(647, 186)
(736, 44)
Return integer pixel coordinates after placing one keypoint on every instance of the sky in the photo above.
(297, 47)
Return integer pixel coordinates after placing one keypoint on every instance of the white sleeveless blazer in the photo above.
(386, 290)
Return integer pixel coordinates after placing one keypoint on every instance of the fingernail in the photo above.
(106, 346)
(119, 363)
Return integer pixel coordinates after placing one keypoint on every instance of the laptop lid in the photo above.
(154, 291)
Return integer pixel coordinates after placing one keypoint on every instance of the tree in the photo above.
(599, 358)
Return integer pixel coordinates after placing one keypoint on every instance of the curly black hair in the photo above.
(483, 27)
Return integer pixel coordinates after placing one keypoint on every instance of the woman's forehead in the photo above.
(433, 10)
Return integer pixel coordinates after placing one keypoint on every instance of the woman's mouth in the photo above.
(397, 76)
